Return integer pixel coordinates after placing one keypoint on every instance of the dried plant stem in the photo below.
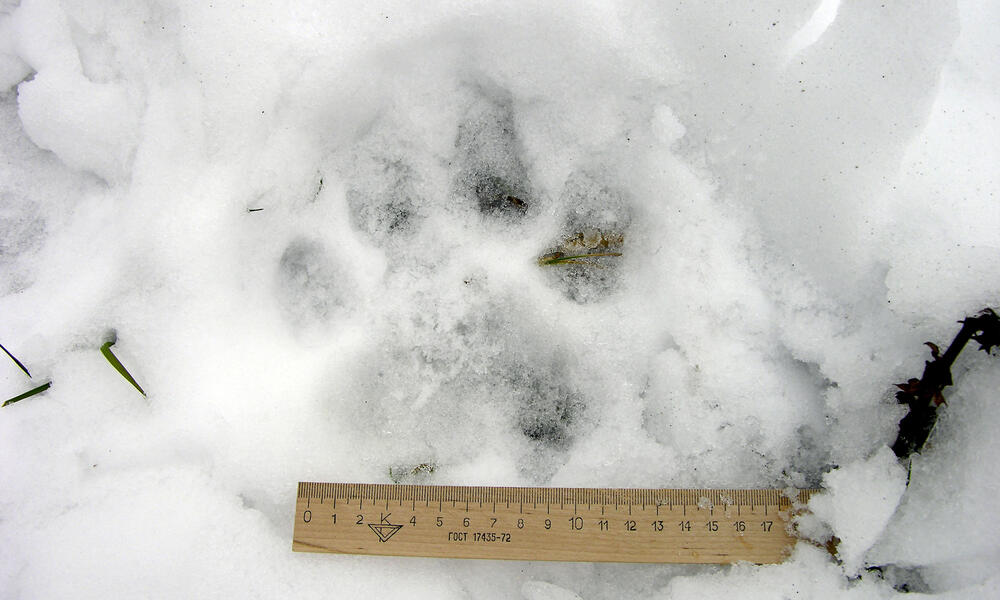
(924, 395)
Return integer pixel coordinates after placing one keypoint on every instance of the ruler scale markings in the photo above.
(558, 534)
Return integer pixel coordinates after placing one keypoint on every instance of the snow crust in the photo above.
(315, 228)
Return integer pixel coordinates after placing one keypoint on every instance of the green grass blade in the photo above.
(17, 362)
(575, 259)
(29, 393)
(117, 364)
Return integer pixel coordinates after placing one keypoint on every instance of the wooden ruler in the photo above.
(565, 524)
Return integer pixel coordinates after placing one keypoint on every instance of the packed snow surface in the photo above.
(318, 231)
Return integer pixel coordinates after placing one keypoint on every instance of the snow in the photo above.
(859, 501)
(804, 194)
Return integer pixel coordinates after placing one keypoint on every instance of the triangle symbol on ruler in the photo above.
(384, 531)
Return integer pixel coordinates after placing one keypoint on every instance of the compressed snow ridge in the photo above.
(857, 502)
